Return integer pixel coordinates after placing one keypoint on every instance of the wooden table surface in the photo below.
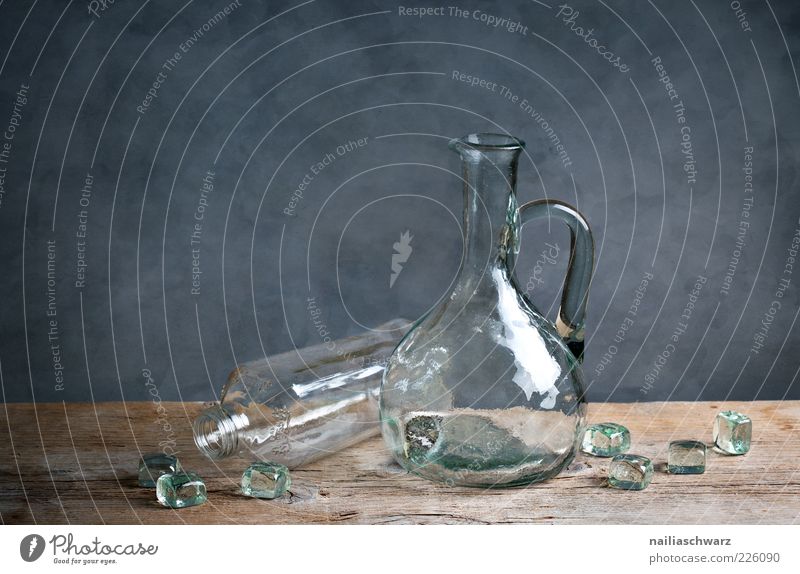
(77, 463)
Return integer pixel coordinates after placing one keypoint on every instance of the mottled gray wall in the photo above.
(275, 87)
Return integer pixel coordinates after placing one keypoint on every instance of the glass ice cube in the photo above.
(606, 439)
(266, 480)
(181, 489)
(732, 432)
(686, 457)
(630, 472)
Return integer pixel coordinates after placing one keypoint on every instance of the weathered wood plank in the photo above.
(77, 463)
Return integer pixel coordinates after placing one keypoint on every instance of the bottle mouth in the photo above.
(215, 432)
(487, 141)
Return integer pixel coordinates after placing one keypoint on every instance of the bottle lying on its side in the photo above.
(301, 405)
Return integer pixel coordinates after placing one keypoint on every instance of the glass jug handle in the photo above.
(575, 292)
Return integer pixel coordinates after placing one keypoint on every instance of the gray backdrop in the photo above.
(673, 126)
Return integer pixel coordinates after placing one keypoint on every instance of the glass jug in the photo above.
(484, 390)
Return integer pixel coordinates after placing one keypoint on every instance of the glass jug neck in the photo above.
(489, 172)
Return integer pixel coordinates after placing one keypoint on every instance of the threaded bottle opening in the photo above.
(215, 433)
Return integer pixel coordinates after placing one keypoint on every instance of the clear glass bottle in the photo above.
(300, 405)
(484, 390)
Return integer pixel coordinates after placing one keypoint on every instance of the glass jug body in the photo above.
(484, 390)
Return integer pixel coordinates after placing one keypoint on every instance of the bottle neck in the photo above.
(216, 431)
(490, 176)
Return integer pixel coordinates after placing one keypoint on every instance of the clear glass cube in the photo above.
(180, 490)
(733, 432)
(606, 439)
(630, 472)
(266, 480)
(686, 457)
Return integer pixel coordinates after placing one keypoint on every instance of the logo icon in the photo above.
(403, 251)
(31, 547)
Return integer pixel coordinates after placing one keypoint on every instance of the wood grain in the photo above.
(76, 463)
